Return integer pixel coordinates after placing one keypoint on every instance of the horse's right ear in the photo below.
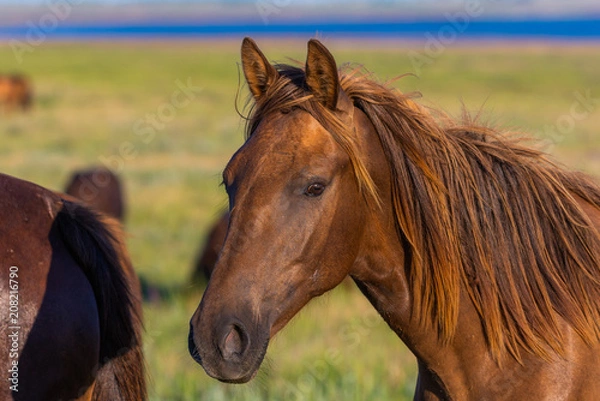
(259, 73)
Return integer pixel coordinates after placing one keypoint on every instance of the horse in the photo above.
(100, 189)
(479, 251)
(71, 317)
(15, 93)
(209, 252)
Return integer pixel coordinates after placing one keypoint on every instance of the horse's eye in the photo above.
(314, 190)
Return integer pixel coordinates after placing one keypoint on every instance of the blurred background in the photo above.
(150, 90)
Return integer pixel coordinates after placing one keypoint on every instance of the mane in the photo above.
(478, 210)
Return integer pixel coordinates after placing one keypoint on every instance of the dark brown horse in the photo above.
(100, 189)
(210, 251)
(480, 253)
(15, 93)
(71, 311)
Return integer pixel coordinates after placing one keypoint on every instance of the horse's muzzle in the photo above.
(230, 353)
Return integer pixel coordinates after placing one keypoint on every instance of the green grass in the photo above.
(90, 96)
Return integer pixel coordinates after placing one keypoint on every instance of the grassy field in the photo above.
(123, 105)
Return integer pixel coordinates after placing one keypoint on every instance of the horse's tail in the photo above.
(95, 243)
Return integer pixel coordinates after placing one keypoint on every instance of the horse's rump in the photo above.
(78, 296)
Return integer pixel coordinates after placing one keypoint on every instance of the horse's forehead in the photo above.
(308, 134)
(296, 134)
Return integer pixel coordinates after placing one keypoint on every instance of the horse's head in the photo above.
(297, 211)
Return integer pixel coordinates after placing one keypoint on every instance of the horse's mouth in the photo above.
(240, 380)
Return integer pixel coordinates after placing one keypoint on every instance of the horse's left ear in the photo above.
(321, 74)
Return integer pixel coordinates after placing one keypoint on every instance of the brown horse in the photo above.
(210, 251)
(15, 93)
(100, 189)
(480, 253)
(71, 311)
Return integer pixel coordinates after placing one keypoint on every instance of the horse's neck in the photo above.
(446, 370)
(462, 368)
(380, 272)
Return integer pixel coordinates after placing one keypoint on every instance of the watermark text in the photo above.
(14, 330)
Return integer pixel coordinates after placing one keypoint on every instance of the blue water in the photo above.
(580, 28)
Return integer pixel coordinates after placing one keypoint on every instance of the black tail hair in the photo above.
(95, 242)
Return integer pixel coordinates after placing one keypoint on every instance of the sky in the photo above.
(279, 2)
(540, 5)
(18, 12)
(564, 19)
(40, 2)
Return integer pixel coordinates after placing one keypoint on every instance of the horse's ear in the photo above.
(259, 73)
(321, 74)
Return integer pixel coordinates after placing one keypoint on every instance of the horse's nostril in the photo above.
(234, 343)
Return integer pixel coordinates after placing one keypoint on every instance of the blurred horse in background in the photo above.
(15, 93)
(209, 253)
(100, 189)
(72, 322)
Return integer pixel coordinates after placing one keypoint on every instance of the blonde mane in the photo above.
(478, 210)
